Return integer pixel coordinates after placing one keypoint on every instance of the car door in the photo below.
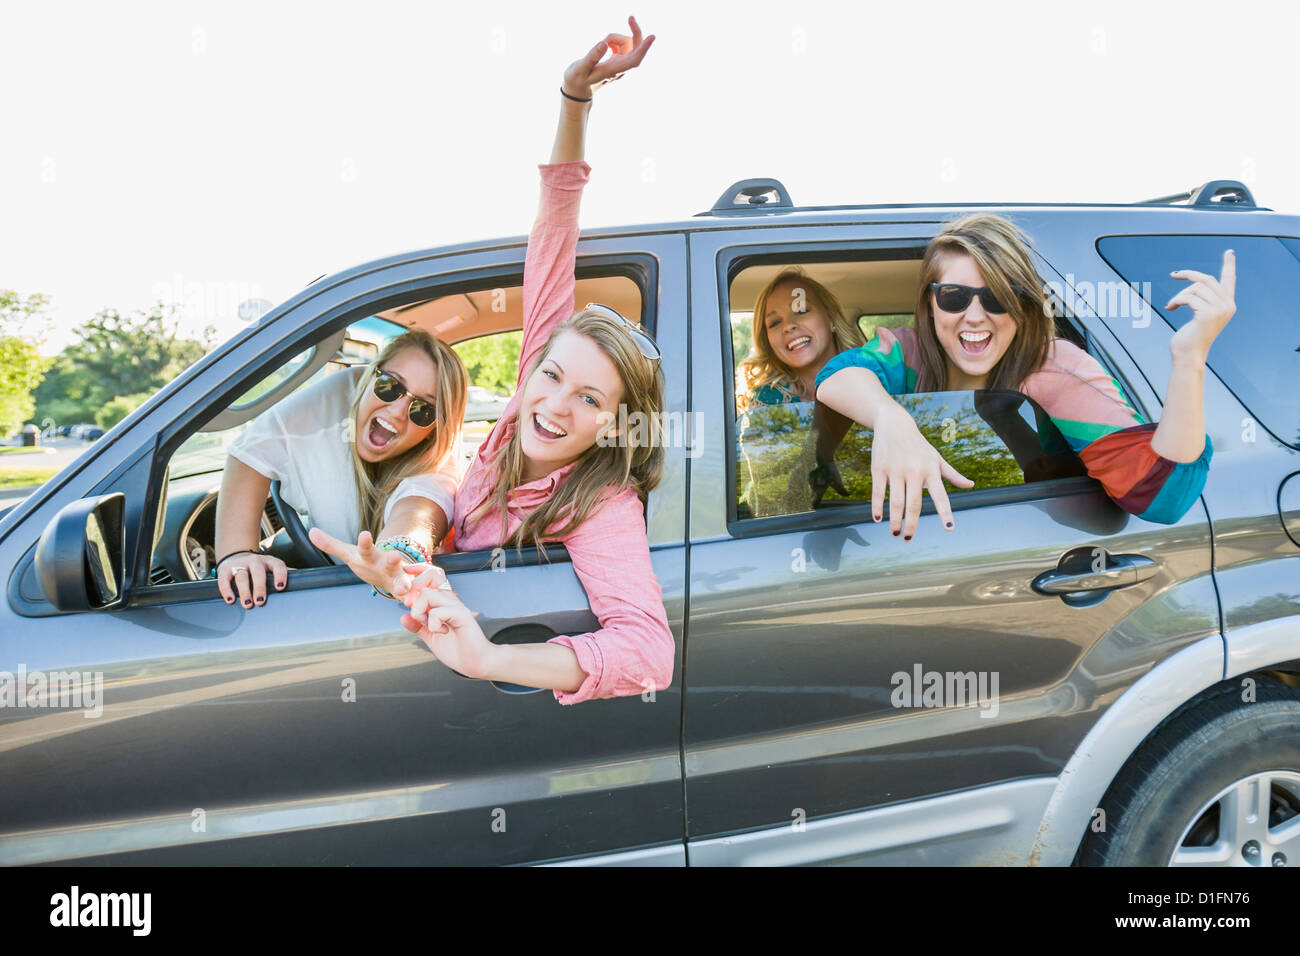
(315, 729)
(810, 724)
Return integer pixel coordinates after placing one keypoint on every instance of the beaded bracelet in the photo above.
(408, 548)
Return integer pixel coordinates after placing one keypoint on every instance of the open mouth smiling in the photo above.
(975, 343)
(547, 429)
(381, 433)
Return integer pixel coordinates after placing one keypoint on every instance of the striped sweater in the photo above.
(1089, 408)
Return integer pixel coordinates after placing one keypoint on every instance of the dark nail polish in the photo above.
(248, 604)
(896, 533)
(948, 526)
(230, 600)
(261, 600)
(907, 537)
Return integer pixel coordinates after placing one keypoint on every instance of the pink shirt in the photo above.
(633, 651)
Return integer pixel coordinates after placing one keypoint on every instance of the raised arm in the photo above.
(553, 242)
(1180, 436)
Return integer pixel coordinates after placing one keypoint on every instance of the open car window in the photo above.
(484, 328)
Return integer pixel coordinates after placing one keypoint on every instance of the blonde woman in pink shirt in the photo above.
(544, 474)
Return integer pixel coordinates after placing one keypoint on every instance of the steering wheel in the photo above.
(308, 555)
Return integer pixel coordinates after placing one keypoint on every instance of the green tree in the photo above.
(22, 324)
(492, 360)
(776, 453)
(119, 408)
(117, 357)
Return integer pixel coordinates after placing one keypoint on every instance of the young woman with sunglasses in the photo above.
(368, 454)
(554, 467)
(983, 322)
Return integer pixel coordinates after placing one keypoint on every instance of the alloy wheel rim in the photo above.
(1254, 821)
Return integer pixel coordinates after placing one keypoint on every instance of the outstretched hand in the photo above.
(905, 464)
(590, 73)
(379, 569)
(1212, 304)
(448, 627)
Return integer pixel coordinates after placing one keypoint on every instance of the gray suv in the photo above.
(1054, 682)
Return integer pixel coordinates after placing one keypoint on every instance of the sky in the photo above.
(210, 153)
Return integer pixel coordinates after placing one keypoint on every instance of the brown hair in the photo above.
(1000, 253)
(604, 469)
(762, 367)
(377, 480)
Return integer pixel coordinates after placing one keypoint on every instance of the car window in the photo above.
(792, 456)
(1257, 355)
(801, 457)
(483, 326)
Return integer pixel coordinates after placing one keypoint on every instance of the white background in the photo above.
(206, 153)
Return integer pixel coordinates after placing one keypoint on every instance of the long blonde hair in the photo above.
(604, 469)
(762, 367)
(377, 480)
(999, 251)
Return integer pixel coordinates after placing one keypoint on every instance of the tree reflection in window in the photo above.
(800, 457)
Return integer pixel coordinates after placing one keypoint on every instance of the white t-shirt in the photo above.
(305, 442)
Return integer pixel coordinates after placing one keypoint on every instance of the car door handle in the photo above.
(1120, 571)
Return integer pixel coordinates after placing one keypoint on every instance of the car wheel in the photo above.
(1220, 786)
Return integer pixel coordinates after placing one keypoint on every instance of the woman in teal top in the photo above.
(983, 323)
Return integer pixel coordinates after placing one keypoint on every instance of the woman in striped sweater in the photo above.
(983, 322)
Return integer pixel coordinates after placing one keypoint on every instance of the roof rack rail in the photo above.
(750, 196)
(1217, 193)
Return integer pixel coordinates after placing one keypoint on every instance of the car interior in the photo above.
(185, 533)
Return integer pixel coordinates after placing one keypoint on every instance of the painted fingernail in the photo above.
(897, 533)
(261, 600)
(230, 600)
(948, 526)
(280, 587)
(907, 537)
(248, 604)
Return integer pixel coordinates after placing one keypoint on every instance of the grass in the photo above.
(10, 450)
(21, 477)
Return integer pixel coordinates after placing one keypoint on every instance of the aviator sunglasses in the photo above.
(420, 413)
(643, 341)
(954, 297)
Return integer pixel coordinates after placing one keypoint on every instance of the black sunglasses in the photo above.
(954, 297)
(643, 341)
(387, 388)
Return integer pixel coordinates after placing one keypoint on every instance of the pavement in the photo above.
(56, 453)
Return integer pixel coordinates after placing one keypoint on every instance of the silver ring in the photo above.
(444, 586)
(238, 568)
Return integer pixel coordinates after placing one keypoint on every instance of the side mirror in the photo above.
(80, 556)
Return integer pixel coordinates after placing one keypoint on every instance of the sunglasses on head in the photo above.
(643, 341)
(420, 413)
(954, 297)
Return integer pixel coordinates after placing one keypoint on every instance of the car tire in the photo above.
(1186, 796)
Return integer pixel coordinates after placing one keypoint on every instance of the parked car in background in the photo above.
(483, 405)
(1130, 692)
